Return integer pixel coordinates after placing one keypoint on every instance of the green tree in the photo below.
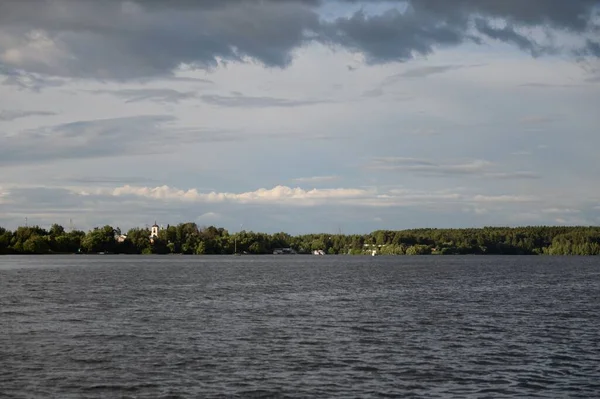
(137, 241)
(5, 237)
(100, 240)
(56, 230)
(36, 245)
(200, 250)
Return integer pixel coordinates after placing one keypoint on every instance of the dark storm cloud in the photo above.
(117, 39)
(123, 40)
(573, 15)
(592, 48)
(393, 35)
(430, 24)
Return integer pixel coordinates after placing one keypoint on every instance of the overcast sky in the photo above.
(300, 115)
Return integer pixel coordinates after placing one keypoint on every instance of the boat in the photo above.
(284, 251)
(318, 252)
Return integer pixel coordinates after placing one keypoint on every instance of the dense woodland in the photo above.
(189, 238)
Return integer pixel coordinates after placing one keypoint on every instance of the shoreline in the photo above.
(191, 239)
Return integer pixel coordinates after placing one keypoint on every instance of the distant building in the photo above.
(154, 232)
(121, 238)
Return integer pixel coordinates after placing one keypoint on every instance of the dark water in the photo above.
(299, 326)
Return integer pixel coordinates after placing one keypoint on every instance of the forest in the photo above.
(191, 239)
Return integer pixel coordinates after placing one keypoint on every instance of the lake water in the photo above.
(299, 326)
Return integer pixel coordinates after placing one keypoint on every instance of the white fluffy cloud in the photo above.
(278, 194)
(297, 196)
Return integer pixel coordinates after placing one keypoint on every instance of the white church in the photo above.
(154, 232)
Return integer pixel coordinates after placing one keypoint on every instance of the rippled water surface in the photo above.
(299, 326)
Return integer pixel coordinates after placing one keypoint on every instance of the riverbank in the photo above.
(190, 239)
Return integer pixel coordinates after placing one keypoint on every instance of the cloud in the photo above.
(132, 39)
(118, 39)
(425, 71)
(573, 15)
(421, 72)
(561, 211)
(240, 100)
(315, 179)
(143, 134)
(504, 198)
(393, 35)
(277, 194)
(11, 115)
(296, 196)
(430, 168)
(124, 136)
(82, 139)
(179, 79)
(512, 175)
(508, 34)
(28, 81)
(591, 48)
(3, 195)
(157, 95)
(430, 24)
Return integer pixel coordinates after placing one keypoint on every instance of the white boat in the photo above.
(318, 252)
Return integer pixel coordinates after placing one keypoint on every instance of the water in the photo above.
(299, 326)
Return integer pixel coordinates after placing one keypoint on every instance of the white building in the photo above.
(154, 230)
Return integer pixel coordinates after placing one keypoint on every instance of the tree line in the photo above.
(189, 238)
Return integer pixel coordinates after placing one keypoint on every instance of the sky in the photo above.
(300, 115)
